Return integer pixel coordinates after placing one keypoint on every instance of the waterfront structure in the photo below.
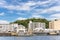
(35, 26)
(6, 28)
(30, 28)
(21, 30)
(14, 29)
(54, 25)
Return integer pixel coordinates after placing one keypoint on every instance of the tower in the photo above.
(30, 30)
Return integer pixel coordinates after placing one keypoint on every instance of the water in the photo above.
(32, 38)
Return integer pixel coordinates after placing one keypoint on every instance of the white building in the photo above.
(36, 25)
(15, 26)
(21, 30)
(5, 28)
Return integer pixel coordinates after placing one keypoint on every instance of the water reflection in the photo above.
(39, 38)
(32, 38)
(7, 38)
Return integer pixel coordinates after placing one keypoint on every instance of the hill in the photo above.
(25, 22)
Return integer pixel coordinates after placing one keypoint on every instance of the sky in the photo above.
(12, 10)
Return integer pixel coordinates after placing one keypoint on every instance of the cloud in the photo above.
(55, 8)
(23, 14)
(21, 18)
(49, 5)
(1, 14)
(24, 6)
(37, 16)
(12, 7)
(52, 10)
(54, 16)
(2, 2)
(4, 22)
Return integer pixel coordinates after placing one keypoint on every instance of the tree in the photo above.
(25, 22)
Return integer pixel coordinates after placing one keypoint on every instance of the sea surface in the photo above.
(31, 38)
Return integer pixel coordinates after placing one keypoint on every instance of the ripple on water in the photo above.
(32, 38)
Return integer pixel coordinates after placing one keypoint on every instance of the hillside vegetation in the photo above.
(25, 22)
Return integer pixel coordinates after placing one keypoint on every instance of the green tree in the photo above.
(25, 22)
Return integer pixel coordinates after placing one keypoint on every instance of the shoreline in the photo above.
(26, 35)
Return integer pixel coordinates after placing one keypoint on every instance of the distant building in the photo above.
(54, 25)
(36, 26)
(21, 30)
(6, 28)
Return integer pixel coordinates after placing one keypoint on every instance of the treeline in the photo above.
(25, 22)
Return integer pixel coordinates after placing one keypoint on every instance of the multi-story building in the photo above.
(36, 26)
(5, 28)
(54, 25)
(21, 30)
